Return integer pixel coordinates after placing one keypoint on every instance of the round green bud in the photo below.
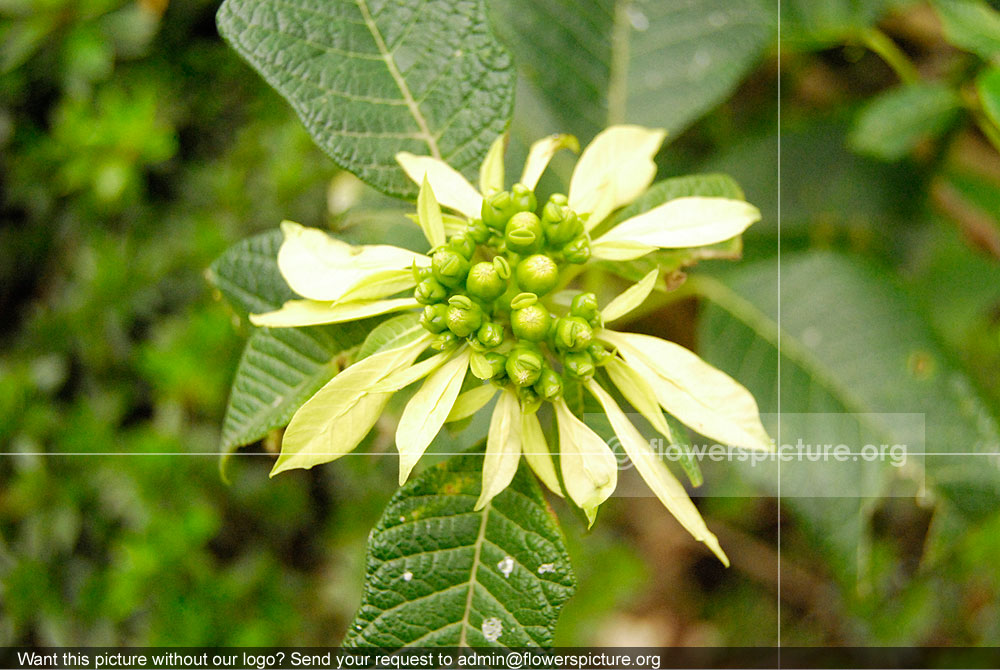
(523, 233)
(497, 361)
(559, 222)
(531, 322)
(497, 208)
(445, 340)
(434, 318)
(450, 268)
(462, 244)
(599, 354)
(484, 282)
(549, 384)
(524, 364)
(477, 231)
(585, 306)
(523, 198)
(537, 273)
(578, 365)
(464, 317)
(430, 291)
(490, 334)
(572, 334)
(578, 250)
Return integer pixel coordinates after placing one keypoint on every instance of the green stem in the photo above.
(889, 51)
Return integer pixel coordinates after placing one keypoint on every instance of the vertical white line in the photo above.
(779, 331)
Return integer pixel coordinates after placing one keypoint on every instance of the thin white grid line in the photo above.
(758, 457)
(778, 214)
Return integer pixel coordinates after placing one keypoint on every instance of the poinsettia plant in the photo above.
(490, 314)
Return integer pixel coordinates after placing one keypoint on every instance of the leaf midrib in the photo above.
(397, 76)
(463, 640)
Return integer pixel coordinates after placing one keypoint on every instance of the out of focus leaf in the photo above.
(661, 64)
(817, 24)
(857, 365)
(988, 85)
(441, 574)
(972, 25)
(372, 79)
(891, 125)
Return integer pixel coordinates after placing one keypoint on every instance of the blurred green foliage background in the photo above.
(136, 147)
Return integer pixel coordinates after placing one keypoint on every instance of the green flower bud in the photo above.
(478, 231)
(484, 282)
(599, 354)
(559, 222)
(445, 340)
(523, 198)
(578, 251)
(464, 317)
(585, 306)
(529, 398)
(463, 245)
(497, 361)
(522, 300)
(538, 274)
(434, 318)
(497, 208)
(524, 364)
(420, 272)
(549, 384)
(430, 291)
(523, 233)
(490, 334)
(578, 365)
(572, 334)
(531, 322)
(502, 267)
(450, 268)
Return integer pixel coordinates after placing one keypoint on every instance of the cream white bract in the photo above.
(485, 293)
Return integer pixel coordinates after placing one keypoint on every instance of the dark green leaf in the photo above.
(370, 79)
(441, 574)
(247, 274)
(660, 64)
(891, 125)
(280, 369)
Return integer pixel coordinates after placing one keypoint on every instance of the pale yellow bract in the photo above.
(340, 282)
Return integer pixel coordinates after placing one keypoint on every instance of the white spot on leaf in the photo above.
(407, 576)
(812, 336)
(546, 567)
(506, 566)
(638, 20)
(718, 19)
(492, 628)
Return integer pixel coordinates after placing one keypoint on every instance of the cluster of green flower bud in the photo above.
(486, 286)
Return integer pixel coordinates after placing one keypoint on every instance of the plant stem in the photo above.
(889, 51)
